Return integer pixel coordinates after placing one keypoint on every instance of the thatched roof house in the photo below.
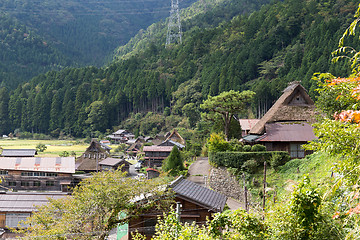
(89, 160)
(293, 105)
(287, 125)
(176, 137)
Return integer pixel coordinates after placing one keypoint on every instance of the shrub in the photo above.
(250, 166)
(217, 143)
(64, 154)
(236, 145)
(258, 148)
(25, 135)
(41, 147)
(247, 148)
(237, 159)
(40, 136)
(278, 160)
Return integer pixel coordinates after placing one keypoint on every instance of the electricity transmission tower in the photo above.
(174, 34)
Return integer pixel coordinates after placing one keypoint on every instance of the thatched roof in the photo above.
(293, 105)
(176, 137)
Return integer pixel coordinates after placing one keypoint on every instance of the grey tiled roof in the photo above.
(204, 196)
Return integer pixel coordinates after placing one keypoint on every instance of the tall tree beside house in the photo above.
(227, 104)
(174, 162)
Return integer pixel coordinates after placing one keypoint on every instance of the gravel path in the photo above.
(199, 171)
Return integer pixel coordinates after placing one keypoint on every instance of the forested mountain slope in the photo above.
(201, 14)
(88, 30)
(282, 42)
(24, 54)
(37, 36)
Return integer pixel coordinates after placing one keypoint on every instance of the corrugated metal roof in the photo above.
(157, 148)
(247, 124)
(46, 164)
(179, 145)
(204, 196)
(25, 202)
(120, 131)
(18, 153)
(288, 132)
(250, 138)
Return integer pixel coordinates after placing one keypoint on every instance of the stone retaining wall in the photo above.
(222, 181)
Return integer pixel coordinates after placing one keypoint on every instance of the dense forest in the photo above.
(25, 54)
(38, 36)
(284, 41)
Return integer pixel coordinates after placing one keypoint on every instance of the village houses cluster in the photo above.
(29, 181)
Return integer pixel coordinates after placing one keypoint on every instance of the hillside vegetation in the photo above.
(24, 54)
(282, 42)
(38, 36)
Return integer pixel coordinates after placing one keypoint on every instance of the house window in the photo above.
(36, 183)
(24, 184)
(13, 219)
(38, 174)
(149, 225)
(12, 183)
(50, 183)
(296, 151)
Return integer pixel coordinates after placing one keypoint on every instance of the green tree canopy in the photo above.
(227, 104)
(93, 208)
(173, 163)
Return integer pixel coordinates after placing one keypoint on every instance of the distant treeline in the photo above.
(281, 43)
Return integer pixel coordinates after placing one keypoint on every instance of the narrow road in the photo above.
(199, 171)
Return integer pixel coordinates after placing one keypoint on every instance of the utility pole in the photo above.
(245, 194)
(174, 34)
(264, 188)
(178, 210)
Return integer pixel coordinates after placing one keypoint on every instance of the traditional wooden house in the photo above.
(136, 145)
(114, 163)
(121, 136)
(287, 125)
(176, 137)
(37, 174)
(172, 143)
(157, 139)
(155, 155)
(93, 155)
(19, 153)
(197, 204)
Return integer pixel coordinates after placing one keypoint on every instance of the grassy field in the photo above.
(54, 147)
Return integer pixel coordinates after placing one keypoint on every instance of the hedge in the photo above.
(237, 159)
